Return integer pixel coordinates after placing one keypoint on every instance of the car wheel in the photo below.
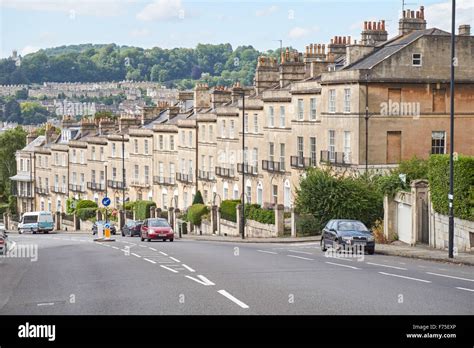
(323, 245)
(142, 239)
(19, 232)
(34, 232)
(149, 240)
(172, 239)
(371, 251)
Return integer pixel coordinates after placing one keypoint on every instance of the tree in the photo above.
(33, 113)
(11, 141)
(198, 198)
(155, 73)
(12, 112)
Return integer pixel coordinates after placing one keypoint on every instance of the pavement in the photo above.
(71, 274)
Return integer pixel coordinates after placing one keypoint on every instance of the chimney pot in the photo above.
(349, 40)
(324, 49)
(383, 25)
(422, 12)
(370, 25)
(374, 26)
(344, 40)
(365, 25)
(332, 41)
(412, 14)
(404, 14)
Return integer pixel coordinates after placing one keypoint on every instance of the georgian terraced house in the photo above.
(311, 109)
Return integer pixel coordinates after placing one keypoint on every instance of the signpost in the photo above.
(103, 229)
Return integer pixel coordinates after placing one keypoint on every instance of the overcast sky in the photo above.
(28, 25)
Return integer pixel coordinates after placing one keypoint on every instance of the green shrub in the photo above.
(86, 203)
(463, 185)
(307, 225)
(196, 212)
(3, 208)
(228, 210)
(164, 214)
(129, 206)
(142, 209)
(86, 213)
(264, 216)
(198, 198)
(329, 197)
(69, 209)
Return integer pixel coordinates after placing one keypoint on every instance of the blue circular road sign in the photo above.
(106, 201)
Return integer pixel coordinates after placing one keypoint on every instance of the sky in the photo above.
(29, 25)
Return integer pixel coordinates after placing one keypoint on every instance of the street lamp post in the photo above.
(451, 147)
(106, 194)
(242, 221)
(123, 172)
(366, 124)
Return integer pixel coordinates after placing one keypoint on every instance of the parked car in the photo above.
(38, 221)
(156, 228)
(113, 229)
(347, 234)
(4, 243)
(132, 228)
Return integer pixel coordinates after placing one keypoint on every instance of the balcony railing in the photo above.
(335, 158)
(23, 194)
(206, 176)
(225, 172)
(58, 189)
(42, 190)
(140, 183)
(115, 184)
(300, 162)
(77, 188)
(184, 178)
(247, 169)
(95, 186)
(273, 166)
(165, 181)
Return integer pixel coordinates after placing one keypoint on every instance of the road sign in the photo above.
(107, 225)
(106, 201)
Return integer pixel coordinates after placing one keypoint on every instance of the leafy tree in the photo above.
(11, 141)
(198, 198)
(33, 113)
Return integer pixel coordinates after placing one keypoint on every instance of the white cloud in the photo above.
(439, 15)
(29, 49)
(266, 11)
(162, 10)
(72, 7)
(140, 33)
(299, 32)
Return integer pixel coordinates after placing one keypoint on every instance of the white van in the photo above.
(39, 221)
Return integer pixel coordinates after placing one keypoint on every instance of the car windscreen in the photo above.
(158, 223)
(351, 226)
(30, 219)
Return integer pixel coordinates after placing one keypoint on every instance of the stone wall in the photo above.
(228, 228)
(463, 233)
(256, 229)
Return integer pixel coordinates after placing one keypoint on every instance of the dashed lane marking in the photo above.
(388, 266)
(202, 280)
(188, 268)
(300, 252)
(151, 261)
(174, 259)
(300, 257)
(267, 252)
(136, 255)
(338, 264)
(152, 249)
(465, 289)
(448, 276)
(45, 304)
(404, 277)
(169, 269)
(162, 253)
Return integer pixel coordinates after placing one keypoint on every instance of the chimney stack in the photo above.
(465, 30)
(412, 21)
(373, 33)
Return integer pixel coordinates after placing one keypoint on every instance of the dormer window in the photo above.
(417, 59)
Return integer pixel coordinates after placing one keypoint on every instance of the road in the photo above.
(75, 275)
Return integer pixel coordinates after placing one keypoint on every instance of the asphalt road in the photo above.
(75, 275)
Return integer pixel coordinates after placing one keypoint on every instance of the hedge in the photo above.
(264, 216)
(228, 209)
(307, 225)
(129, 206)
(86, 213)
(463, 185)
(196, 212)
(142, 209)
(86, 203)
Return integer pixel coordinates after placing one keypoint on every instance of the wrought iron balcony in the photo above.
(42, 190)
(58, 189)
(300, 162)
(164, 181)
(225, 172)
(335, 158)
(77, 188)
(206, 176)
(140, 183)
(247, 169)
(95, 186)
(184, 178)
(273, 166)
(115, 184)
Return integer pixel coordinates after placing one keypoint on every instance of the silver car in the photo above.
(4, 243)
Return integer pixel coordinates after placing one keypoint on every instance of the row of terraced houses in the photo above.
(323, 107)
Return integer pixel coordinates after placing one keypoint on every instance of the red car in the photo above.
(156, 229)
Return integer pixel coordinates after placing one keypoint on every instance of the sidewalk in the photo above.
(423, 252)
(215, 238)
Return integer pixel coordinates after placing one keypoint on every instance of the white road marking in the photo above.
(340, 258)
(233, 299)
(142, 246)
(176, 260)
(114, 247)
(421, 266)
(267, 252)
(162, 253)
(448, 276)
(378, 264)
(338, 264)
(13, 244)
(136, 255)
(402, 263)
(300, 257)
(400, 276)
(169, 269)
(300, 252)
(152, 249)
(46, 304)
(466, 289)
(188, 268)
(202, 280)
(149, 260)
